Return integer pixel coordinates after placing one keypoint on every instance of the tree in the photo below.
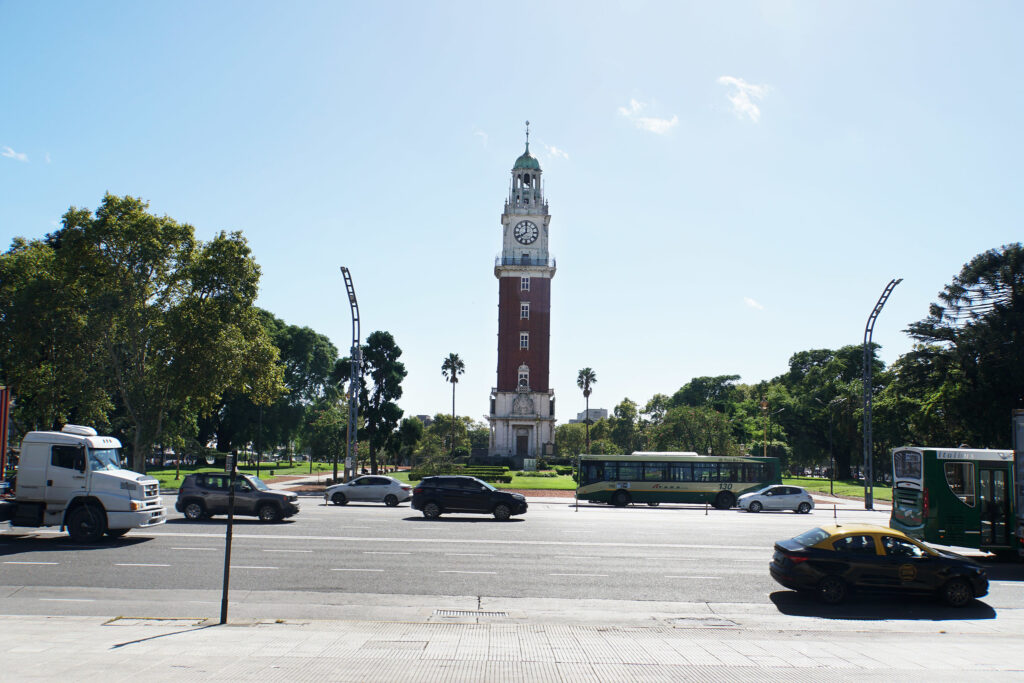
(169, 320)
(699, 429)
(380, 412)
(979, 326)
(624, 432)
(451, 368)
(410, 431)
(718, 393)
(569, 440)
(584, 380)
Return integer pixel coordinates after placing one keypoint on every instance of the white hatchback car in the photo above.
(777, 498)
(369, 489)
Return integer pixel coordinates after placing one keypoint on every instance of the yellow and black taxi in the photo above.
(832, 561)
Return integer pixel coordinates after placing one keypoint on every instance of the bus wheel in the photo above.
(724, 500)
(620, 499)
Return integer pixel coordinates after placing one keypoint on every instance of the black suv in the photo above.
(437, 495)
(205, 495)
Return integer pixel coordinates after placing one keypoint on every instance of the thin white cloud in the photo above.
(482, 135)
(47, 157)
(752, 303)
(11, 154)
(555, 152)
(743, 95)
(651, 124)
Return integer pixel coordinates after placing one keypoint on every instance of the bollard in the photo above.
(834, 511)
(705, 508)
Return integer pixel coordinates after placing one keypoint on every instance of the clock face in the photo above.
(525, 232)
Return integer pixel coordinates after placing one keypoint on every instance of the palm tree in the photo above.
(451, 368)
(583, 381)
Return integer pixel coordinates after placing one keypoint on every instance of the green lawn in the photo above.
(847, 488)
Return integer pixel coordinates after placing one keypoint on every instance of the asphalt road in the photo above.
(329, 555)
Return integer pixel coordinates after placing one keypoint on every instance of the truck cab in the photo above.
(74, 479)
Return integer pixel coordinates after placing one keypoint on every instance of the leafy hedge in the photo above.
(494, 475)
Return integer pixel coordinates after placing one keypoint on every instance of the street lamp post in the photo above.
(764, 413)
(869, 328)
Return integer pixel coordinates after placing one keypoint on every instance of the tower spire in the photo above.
(527, 137)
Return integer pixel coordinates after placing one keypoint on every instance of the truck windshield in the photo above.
(104, 459)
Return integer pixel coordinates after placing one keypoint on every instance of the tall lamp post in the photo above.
(869, 328)
(764, 413)
(831, 453)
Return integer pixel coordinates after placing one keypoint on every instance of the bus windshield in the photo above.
(906, 464)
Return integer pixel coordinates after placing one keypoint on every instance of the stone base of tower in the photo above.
(522, 425)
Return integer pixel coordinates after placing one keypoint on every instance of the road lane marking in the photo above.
(66, 600)
(286, 551)
(467, 555)
(455, 571)
(459, 541)
(599, 575)
(694, 577)
(383, 552)
(14, 562)
(356, 570)
(240, 566)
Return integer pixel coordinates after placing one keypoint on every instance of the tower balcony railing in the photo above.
(523, 261)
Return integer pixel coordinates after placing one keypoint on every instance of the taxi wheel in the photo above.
(803, 508)
(957, 593)
(755, 506)
(832, 590)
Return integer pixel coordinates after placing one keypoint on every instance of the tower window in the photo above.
(524, 284)
(524, 310)
(524, 341)
(524, 377)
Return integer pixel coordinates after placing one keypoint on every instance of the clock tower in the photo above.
(522, 415)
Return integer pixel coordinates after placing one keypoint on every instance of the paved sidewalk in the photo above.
(498, 643)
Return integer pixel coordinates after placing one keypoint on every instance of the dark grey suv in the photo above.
(449, 493)
(205, 495)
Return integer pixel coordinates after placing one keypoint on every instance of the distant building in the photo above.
(427, 420)
(594, 414)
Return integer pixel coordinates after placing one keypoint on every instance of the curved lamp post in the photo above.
(869, 480)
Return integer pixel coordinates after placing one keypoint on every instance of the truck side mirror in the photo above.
(79, 463)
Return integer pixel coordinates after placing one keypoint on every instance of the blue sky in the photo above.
(729, 183)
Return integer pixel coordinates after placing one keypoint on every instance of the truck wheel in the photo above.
(86, 524)
(269, 513)
(116, 533)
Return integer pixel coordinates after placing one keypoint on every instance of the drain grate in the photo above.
(467, 613)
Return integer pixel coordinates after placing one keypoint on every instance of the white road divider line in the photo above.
(693, 577)
(356, 570)
(383, 552)
(238, 566)
(66, 600)
(14, 562)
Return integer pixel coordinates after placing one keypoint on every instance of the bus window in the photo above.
(754, 471)
(960, 478)
(705, 471)
(680, 471)
(906, 464)
(730, 472)
(630, 471)
(654, 471)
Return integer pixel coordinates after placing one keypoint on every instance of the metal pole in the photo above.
(259, 444)
(354, 382)
(869, 329)
(831, 456)
(227, 539)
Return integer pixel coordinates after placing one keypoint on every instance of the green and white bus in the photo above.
(955, 496)
(654, 478)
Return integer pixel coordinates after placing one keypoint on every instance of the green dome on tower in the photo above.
(527, 161)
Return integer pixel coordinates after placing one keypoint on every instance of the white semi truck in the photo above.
(73, 479)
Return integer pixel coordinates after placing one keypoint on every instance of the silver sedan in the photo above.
(369, 489)
(777, 498)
